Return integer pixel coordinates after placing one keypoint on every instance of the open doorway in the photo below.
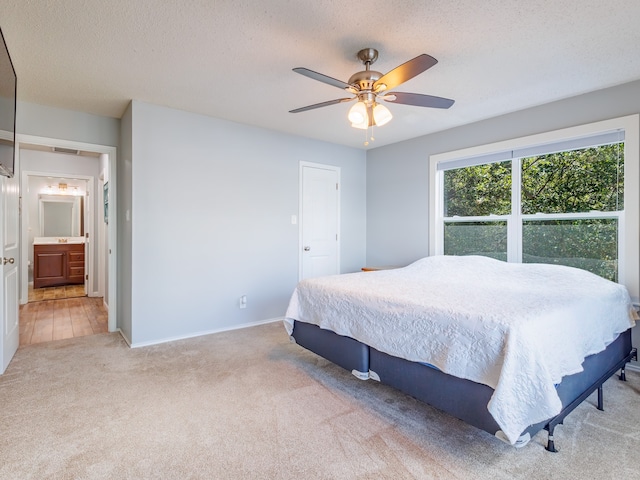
(59, 218)
(70, 293)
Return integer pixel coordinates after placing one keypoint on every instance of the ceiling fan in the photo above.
(369, 87)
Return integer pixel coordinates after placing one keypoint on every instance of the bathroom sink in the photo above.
(56, 240)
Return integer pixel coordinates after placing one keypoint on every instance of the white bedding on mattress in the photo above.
(518, 328)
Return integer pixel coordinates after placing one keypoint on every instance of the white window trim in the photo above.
(629, 267)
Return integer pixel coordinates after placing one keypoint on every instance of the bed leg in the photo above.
(600, 398)
(551, 447)
(633, 355)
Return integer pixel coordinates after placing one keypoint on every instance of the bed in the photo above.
(509, 348)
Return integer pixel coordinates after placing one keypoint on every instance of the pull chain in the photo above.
(367, 137)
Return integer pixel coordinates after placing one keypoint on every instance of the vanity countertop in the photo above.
(57, 240)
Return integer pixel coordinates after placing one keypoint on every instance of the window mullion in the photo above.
(514, 223)
(439, 211)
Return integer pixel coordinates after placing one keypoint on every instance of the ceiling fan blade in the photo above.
(406, 71)
(319, 105)
(322, 78)
(418, 100)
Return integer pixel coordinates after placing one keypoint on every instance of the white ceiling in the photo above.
(233, 58)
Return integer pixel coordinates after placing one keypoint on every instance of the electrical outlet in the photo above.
(243, 301)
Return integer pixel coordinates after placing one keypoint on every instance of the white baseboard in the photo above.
(126, 340)
(206, 332)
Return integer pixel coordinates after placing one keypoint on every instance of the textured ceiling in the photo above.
(233, 58)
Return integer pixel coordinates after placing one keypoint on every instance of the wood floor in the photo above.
(47, 320)
(50, 293)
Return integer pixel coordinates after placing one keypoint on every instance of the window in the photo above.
(554, 198)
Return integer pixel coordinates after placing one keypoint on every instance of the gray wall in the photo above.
(124, 182)
(211, 210)
(51, 122)
(397, 175)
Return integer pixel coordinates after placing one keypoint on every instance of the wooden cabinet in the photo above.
(75, 266)
(58, 264)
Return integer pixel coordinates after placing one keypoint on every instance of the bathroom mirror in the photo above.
(61, 216)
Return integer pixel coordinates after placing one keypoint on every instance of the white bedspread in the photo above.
(518, 328)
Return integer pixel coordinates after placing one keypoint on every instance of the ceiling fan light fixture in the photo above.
(381, 115)
(358, 114)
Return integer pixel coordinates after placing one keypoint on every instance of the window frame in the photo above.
(628, 219)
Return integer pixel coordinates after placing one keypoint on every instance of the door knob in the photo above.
(306, 249)
(6, 260)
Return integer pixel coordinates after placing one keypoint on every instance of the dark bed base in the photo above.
(462, 398)
(346, 352)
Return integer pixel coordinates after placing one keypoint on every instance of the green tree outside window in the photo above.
(577, 181)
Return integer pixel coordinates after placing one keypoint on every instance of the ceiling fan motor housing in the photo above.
(363, 81)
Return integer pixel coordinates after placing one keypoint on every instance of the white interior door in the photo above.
(319, 220)
(88, 237)
(9, 206)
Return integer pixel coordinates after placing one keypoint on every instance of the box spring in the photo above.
(464, 399)
(346, 352)
(468, 400)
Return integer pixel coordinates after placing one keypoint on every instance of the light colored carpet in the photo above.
(249, 404)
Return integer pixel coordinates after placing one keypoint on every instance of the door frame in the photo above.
(322, 166)
(111, 152)
(91, 247)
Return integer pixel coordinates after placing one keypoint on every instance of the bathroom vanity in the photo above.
(58, 261)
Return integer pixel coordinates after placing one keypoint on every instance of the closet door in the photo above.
(319, 222)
